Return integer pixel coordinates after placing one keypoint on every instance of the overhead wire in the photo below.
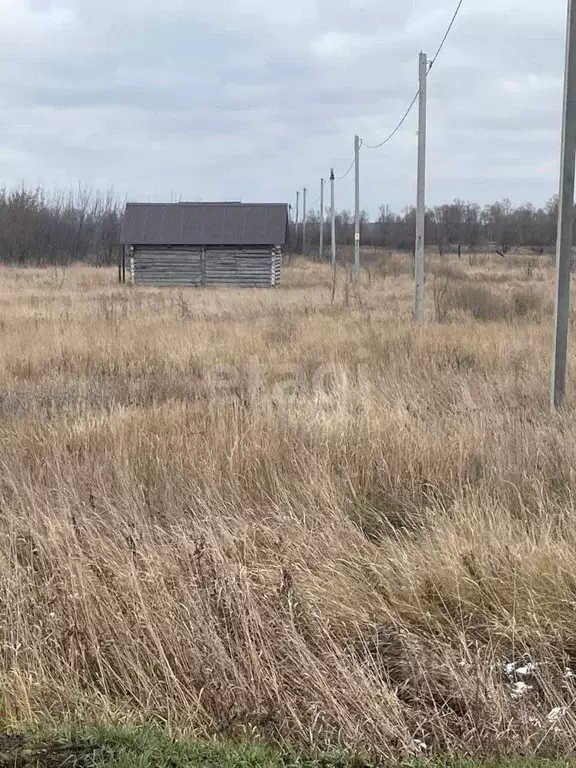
(415, 99)
(400, 124)
(343, 176)
(443, 43)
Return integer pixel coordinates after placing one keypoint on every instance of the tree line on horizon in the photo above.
(38, 227)
(459, 223)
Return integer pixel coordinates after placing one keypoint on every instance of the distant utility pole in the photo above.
(357, 209)
(304, 194)
(297, 218)
(332, 218)
(565, 215)
(321, 246)
(421, 194)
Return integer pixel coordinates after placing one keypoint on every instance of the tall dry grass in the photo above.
(251, 511)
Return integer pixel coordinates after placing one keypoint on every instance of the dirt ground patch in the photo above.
(17, 752)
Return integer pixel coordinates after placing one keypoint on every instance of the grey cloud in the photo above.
(252, 98)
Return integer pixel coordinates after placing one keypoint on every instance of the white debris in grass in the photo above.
(520, 688)
(556, 714)
(421, 745)
(521, 671)
(520, 668)
(527, 670)
(510, 668)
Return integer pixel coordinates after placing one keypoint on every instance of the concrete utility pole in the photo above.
(297, 218)
(321, 246)
(565, 215)
(304, 194)
(332, 217)
(421, 194)
(357, 209)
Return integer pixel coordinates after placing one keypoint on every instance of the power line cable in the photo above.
(400, 124)
(415, 99)
(338, 178)
(442, 44)
(343, 176)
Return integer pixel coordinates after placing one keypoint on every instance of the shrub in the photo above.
(482, 303)
(449, 272)
(395, 265)
(526, 302)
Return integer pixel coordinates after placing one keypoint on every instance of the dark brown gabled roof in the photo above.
(205, 224)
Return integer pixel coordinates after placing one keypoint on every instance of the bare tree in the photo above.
(37, 227)
(57, 229)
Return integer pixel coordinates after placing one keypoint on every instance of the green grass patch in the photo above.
(148, 747)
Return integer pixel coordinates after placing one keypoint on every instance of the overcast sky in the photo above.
(250, 99)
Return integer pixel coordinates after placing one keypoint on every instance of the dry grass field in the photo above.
(262, 514)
